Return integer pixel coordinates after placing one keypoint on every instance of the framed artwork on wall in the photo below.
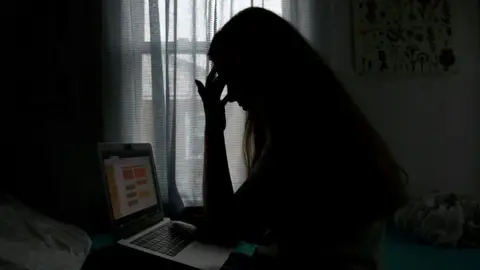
(412, 37)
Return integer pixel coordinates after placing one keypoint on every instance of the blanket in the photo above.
(443, 219)
(30, 240)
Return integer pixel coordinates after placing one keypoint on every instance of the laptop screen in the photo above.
(130, 184)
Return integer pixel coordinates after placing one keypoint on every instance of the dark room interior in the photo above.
(69, 85)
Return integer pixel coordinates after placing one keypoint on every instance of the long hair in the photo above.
(275, 43)
(254, 31)
(254, 140)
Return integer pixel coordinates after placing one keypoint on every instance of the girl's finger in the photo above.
(224, 101)
(219, 84)
(200, 86)
(211, 76)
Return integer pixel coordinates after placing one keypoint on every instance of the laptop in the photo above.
(136, 213)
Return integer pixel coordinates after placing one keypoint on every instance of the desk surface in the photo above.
(119, 257)
(400, 254)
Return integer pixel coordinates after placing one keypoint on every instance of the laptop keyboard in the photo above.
(163, 240)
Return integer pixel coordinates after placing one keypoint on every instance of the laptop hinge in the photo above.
(139, 225)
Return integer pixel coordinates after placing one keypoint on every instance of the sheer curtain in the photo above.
(154, 51)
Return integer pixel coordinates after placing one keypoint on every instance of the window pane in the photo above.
(145, 120)
(185, 69)
(146, 77)
(185, 76)
(201, 20)
(163, 16)
(193, 129)
(187, 72)
(273, 5)
(185, 18)
(239, 5)
(147, 21)
(205, 16)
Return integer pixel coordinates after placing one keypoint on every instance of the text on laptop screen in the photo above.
(130, 185)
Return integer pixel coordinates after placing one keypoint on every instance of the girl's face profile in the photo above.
(240, 87)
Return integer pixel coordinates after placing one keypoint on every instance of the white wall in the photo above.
(431, 124)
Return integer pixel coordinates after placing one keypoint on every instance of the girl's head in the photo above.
(256, 52)
(260, 56)
(274, 74)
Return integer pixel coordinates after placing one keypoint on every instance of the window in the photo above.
(190, 48)
(184, 68)
(190, 45)
(183, 49)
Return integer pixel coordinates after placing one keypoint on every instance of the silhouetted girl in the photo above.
(320, 180)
